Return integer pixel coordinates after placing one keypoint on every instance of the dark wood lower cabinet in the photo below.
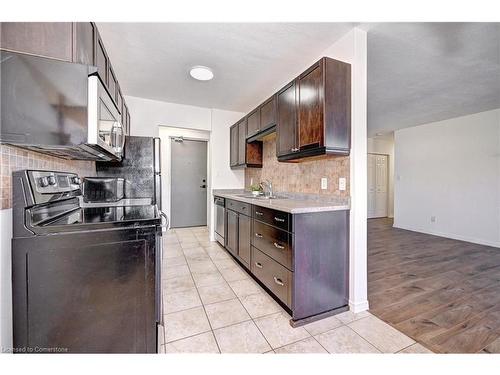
(245, 229)
(302, 260)
(232, 232)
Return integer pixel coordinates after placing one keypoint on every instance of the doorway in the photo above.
(377, 185)
(188, 182)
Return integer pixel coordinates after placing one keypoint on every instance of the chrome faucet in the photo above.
(269, 185)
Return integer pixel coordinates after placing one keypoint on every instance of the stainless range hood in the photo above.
(57, 108)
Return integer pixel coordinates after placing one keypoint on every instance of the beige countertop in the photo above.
(293, 203)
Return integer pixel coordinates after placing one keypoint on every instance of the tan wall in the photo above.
(303, 177)
(14, 158)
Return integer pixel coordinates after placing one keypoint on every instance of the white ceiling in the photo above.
(425, 72)
(250, 61)
(417, 72)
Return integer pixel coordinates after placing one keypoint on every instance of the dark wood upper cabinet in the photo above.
(322, 110)
(47, 39)
(84, 43)
(233, 145)
(112, 84)
(101, 61)
(268, 113)
(286, 141)
(242, 141)
(119, 99)
(310, 105)
(253, 122)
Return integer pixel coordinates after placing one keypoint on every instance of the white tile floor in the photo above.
(212, 305)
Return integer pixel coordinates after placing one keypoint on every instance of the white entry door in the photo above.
(377, 185)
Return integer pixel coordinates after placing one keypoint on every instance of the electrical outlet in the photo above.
(433, 219)
(342, 183)
(324, 183)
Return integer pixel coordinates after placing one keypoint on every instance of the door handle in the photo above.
(203, 186)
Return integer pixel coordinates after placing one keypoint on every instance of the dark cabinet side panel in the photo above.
(321, 262)
(48, 39)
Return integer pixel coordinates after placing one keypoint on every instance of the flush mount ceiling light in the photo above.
(201, 73)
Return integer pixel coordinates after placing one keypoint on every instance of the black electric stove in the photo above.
(85, 279)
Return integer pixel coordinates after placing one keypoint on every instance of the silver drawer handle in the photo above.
(258, 235)
(279, 219)
(278, 246)
(278, 281)
(258, 265)
(258, 213)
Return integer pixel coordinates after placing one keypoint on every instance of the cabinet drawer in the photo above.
(279, 219)
(273, 275)
(242, 208)
(274, 242)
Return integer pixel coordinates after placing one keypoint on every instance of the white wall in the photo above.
(352, 48)
(5, 280)
(451, 170)
(385, 146)
(148, 115)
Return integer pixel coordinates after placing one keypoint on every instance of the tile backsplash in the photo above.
(14, 158)
(303, 177)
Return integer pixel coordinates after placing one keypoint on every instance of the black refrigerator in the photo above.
(140, 167)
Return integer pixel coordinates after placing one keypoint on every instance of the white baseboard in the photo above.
(357, 307)
(449, 235)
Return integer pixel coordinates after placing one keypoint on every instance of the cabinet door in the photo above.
(84, 43)
(232, 232)
(268, 113)
(310, 108)
(48, 39)
(287, 121)
(242, 142)
(128, 123)
(253, 122)
(119, 100)
(112, 83)
(233, 145)
(244, 235)
(101, 60)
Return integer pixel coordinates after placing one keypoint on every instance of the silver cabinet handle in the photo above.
(258, 235)
(279, 219)
(258, 213)
(258, 265)
(278, 246)
(278, 281)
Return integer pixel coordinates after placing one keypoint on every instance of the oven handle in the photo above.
(164, 216)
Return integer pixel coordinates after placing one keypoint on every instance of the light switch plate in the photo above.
(342, 183)
(324, 183)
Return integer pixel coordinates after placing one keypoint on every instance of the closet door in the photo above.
(381, 186)
(377, 185)
(371, 185)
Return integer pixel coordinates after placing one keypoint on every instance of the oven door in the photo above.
(104, 121)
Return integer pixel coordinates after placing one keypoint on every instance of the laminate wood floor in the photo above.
(443, 293)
